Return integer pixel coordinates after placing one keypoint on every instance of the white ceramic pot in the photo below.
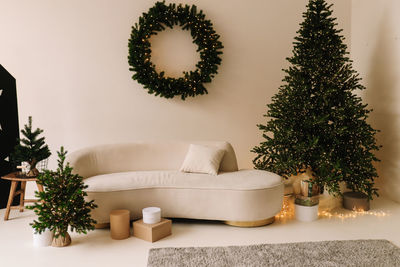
(306, 213)
(44, 239)
(151, 215)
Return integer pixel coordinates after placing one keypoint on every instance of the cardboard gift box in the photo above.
(152, 232)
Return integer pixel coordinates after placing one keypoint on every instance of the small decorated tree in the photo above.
(62, 203)
(31, 148)
(316, 121)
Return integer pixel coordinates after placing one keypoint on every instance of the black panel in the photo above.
(9, 129)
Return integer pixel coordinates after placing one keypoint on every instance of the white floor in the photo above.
(98, 249)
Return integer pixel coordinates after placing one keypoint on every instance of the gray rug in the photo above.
(326, 253)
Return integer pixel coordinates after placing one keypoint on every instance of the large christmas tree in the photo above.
(316, 120)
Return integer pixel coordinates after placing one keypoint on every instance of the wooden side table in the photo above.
(13, 193)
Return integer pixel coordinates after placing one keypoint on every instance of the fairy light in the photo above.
(350, 214)
(288, 213)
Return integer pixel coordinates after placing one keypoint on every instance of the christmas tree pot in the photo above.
(43, 239)
(61, 241)
(306, 208)
(306, 213)
(355, 201)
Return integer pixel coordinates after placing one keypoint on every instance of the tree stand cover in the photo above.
(61, 241)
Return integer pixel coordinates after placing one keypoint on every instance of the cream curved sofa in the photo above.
(142, 174)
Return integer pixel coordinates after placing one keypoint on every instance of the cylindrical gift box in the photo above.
(151, 215)
(44, 239)
(119, 224)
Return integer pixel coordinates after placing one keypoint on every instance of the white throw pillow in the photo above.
(202, 159)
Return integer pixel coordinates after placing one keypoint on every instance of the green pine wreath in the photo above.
(155, 20)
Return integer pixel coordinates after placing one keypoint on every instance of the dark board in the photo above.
(9, 129)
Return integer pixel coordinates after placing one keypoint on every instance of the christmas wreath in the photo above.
(155, 20)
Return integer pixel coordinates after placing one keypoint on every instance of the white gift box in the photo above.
(151, 215)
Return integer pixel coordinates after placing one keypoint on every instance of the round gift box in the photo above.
(151, 215)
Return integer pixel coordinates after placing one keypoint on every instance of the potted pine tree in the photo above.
(62, 204)
(316, 121)
(31, 148)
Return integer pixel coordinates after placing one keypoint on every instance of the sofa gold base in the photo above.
(232, 223)
(251, 223)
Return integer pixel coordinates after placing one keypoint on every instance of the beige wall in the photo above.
(70, 62)
(375, 42)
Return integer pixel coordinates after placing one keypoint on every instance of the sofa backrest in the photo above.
(141, 156)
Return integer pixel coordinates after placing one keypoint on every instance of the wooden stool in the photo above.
(13, 193)
(119, 224)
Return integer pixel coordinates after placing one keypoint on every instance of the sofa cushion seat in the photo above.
(240, 180)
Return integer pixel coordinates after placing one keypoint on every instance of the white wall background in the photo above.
(375, 42)
(70, 62)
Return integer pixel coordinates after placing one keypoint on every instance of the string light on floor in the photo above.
(287, 212)
(351, 214)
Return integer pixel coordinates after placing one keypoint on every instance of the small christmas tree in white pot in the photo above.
(62, 204)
